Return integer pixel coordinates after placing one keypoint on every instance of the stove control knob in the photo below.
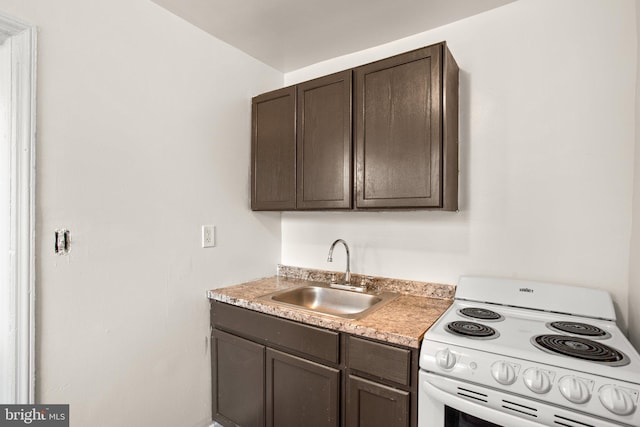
(617, 400)
(574, 389)
(537, 380)
(503, 372)
(445, 359)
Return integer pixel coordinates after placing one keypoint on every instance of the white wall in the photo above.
(547, 97)
(143, 135)
(634, 259)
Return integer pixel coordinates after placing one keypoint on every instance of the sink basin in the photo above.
(330, 301)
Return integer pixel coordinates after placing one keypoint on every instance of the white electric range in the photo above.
(522, 353)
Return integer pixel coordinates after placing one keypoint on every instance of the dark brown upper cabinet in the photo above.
(406, 131)
(273, 150)
(324, 143)
(403, 112)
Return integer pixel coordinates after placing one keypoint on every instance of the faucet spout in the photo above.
(347, 274)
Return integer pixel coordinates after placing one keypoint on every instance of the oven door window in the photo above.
(455, 418)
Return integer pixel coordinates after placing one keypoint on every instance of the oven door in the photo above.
(437, 407)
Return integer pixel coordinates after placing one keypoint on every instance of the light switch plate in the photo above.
(208, 236)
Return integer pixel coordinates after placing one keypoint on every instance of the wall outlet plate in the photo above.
(208, 236)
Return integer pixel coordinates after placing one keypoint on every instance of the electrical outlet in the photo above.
(208, 236)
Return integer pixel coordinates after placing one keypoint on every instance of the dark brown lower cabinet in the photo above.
(301, 393)
(370, 404)
(272, 372)
(237, 367)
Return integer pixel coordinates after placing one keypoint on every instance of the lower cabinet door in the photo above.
(301, 393)
(238, 381)
(374, 405)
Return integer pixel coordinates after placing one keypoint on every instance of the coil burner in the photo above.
(471, 330)
(480, 314)
(580, 348)
(577, 328)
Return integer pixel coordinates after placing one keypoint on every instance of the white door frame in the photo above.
(22, 37)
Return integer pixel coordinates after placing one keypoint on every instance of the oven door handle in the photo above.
(474, 409)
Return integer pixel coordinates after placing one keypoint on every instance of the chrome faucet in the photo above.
(346, 283)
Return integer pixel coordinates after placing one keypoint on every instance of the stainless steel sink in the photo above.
(334, 302)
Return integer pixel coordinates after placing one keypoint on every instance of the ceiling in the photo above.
(291, 34)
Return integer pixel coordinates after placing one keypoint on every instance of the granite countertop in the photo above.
(402, 321)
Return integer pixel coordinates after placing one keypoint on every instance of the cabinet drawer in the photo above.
(269, 330)
(380, 360)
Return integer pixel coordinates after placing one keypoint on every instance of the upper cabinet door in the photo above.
(324, 143)
(399, 136)
(273, 150)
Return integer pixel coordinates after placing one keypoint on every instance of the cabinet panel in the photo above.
(307, 340)
(380, 360)
(398, 108)
(450, 100)
(324, 143)
(273, 150)
(301, 393)
(237, 367)
(373, 405)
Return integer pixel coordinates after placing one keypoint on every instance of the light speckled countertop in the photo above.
(402, 321)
